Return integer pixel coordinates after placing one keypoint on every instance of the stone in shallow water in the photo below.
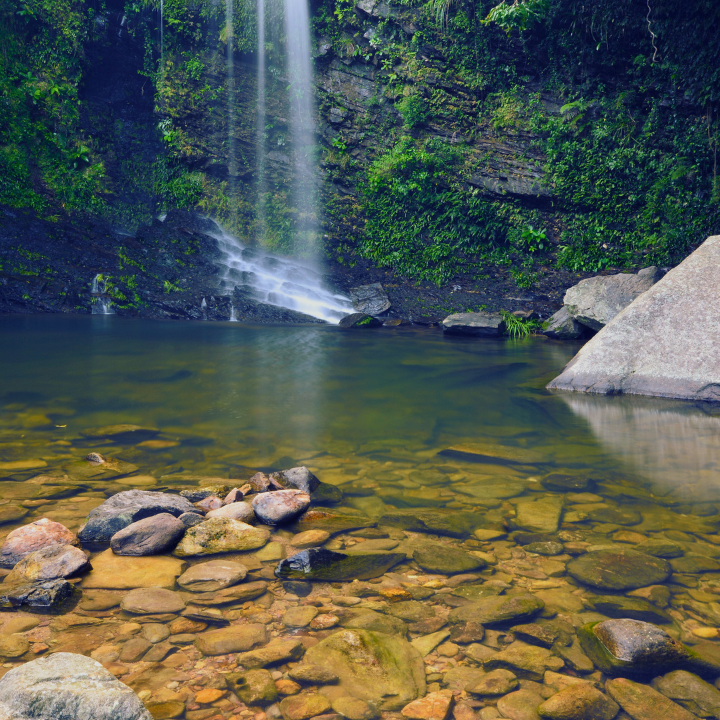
(47, 594)
(309, 538)
(236, 510)
(482, 452)
(366, 619)
(12, 513)
(660, 547)
(559, 482)
(542, 516)
(151, 601)
(639, 649)
(434, 706)
(526, 661)
(618, 606)
(438, 558)
(127, 507)
(496, 682)
(618, 569)
(149, 536)
(579, 702)
(116, 572)
(642, 702)
(66, 685)
(383, 670)
(236, 638)
(121, 433)
(438, 522)
(545, 548)
(615, 516)
(277, 651)
(37, 535)
(13, 645)
(233, 594)
(219, 535)
(690, 691)
(520, 705)
(323, 564)
(212, 575)
(253, 687)
(320, 518)
(298, 478)
(299, 616)
(494, 610)
(281, 506)
(353, 709)
(308, 674)
(476, 592)
(56, 561)
(304, 706)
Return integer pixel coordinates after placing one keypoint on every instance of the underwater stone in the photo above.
(618, 569)
(47, 594)
(298, 478)
(323, 564)
(56, 561)
(320, 518)
(639, 649)
(438, 558)
(499, 609)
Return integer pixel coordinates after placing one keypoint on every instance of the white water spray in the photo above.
(100, 302)
(274, 280)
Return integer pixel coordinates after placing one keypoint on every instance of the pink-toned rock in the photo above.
(274, 508)
(35, 536)
(211, 502)
(324, 621)
(434, 706)
(235, 495)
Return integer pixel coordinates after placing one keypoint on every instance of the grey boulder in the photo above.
(594, 302)
(56, 561)
(563, 326)
(149, 536)
(66, 685)
(45, 594)
(274, 508)
(480, 324)
(297, 478)
(370, 299)
(127, 507)
(664, 343)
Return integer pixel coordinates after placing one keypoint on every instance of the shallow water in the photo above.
(403, 420)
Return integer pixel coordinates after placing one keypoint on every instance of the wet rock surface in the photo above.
(323, 564)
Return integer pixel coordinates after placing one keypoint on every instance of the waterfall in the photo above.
(302, 123)
(100, 302)
(229, 35)
(260, 132)
(274, 280)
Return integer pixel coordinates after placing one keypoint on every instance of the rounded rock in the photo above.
(151, 601)
(37, 535)
(212, 575)
(274, 508)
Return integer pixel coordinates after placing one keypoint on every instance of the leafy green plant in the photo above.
(414, 111)
(520, 15)
(170, 287)
(518, 327)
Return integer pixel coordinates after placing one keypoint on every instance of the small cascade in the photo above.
(100, 302)
(274, 280)
(233, 316)
(302, 123)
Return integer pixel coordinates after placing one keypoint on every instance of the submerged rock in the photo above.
(437, 558)
(359, 320)
(56, 561)
(151, 601)
(212, 575)
(690, 691)
(236, 638)
(644, 349)
(124, 433)
(499, 609)
(323, 564)
(542, 515)
(580, 701)
(253, 687)
(526, 661)
(642, 702)
(128, 507)
(149, 536)
(219, 535)
(122, 572)
(66, 685)
(383, 670)
(474, 323)
(618, 606)
(37, 535)
(281, 506)
(618, 569)
(331, 521)
(45, 594)
(639, 649)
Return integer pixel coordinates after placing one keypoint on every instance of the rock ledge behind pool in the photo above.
(66, 685)
(665, 343)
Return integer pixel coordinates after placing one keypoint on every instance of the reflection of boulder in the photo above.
(665, 343)
(674, 445)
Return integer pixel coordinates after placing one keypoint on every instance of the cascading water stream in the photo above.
(275, 280)
(100, 302)
(302, 123)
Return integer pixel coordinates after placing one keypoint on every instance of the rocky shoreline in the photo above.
(266, 597)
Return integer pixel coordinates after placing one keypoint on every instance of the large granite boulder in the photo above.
(66, 685)
(383, 670)
(594, 302)
(370, 299)
(563, 326)
(22, 541)
(149, 536)
(664, 343)
(480, 324)
(127, 507)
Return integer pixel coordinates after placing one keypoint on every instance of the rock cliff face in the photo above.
(665, 343)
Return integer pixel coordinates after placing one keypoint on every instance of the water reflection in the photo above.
(672, 444)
